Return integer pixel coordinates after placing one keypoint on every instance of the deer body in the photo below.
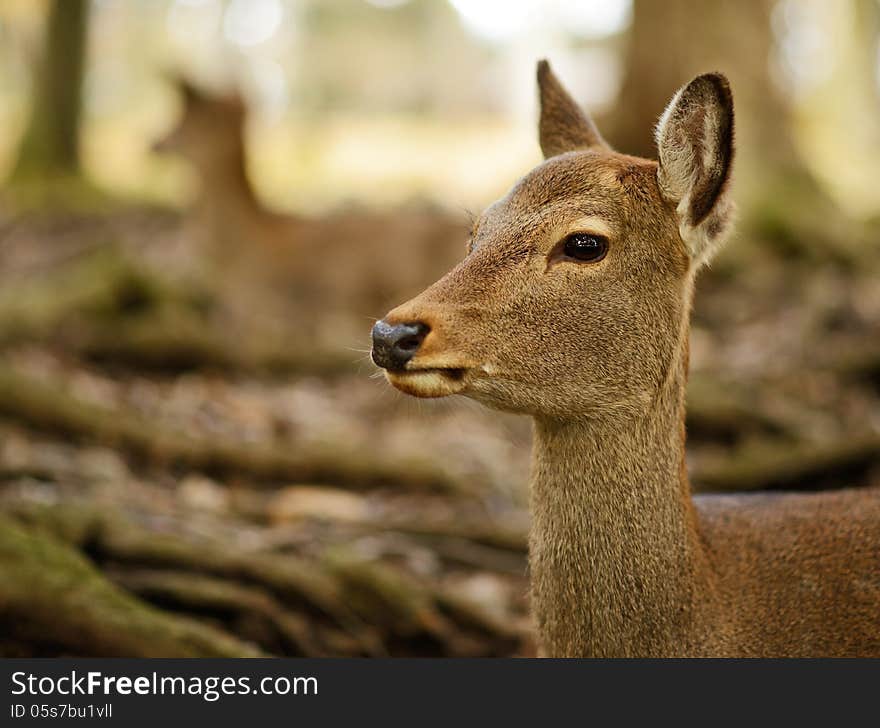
(377, 258)
(623, 563)
(573, 307)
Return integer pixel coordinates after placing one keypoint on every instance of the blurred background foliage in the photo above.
(384, 100)
(207, 202)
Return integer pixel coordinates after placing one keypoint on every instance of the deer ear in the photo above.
(187, 89)
(564, 126)
(695, 143)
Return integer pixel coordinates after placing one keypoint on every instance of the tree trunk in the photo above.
(50, 146)
(671, 41)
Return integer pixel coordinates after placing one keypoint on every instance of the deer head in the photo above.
(209, 129)
(574, 297)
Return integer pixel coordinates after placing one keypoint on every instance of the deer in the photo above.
(382, 256)
(572, 306)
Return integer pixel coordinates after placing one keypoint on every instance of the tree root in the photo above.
(180, 345)
(339, 604)
(106, 308)
(420, 518)
(47, 407)
(792, 467)
(250, 610)
(715, 413)
(53, 596)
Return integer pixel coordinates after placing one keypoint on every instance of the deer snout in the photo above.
(395, 344)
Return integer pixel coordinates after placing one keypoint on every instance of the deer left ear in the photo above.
(695, 143)
(563, 126)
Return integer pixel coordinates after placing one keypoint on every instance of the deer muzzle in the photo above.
(395, 345)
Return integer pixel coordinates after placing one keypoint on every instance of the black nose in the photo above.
(395, 344)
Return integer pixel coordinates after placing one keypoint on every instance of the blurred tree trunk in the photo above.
(841, 111)
(50, 146)
(670, 42)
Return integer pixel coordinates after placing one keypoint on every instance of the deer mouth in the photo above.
(428, 382)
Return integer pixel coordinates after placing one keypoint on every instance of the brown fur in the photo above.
(341, 267)
(562, 126)
(624, 562)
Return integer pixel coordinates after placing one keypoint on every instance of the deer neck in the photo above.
(616, 563)
(227, 196)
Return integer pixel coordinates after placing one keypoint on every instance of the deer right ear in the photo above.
(188, 90)
(564, 127)
(695, 143)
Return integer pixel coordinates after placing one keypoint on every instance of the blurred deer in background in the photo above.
(341, 267)
(573, 307)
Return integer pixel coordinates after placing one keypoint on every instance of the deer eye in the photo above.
(585, 247)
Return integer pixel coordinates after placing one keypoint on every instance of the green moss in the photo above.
(36, 192)
(54, 596)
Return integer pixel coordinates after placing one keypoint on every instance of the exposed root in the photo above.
(51, 408)
(55, 598)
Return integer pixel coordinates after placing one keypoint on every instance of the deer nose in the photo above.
(395, 344)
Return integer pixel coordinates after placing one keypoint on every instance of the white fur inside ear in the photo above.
(706, 239)
(675, 158)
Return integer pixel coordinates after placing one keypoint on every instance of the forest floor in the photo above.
(175, 481)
